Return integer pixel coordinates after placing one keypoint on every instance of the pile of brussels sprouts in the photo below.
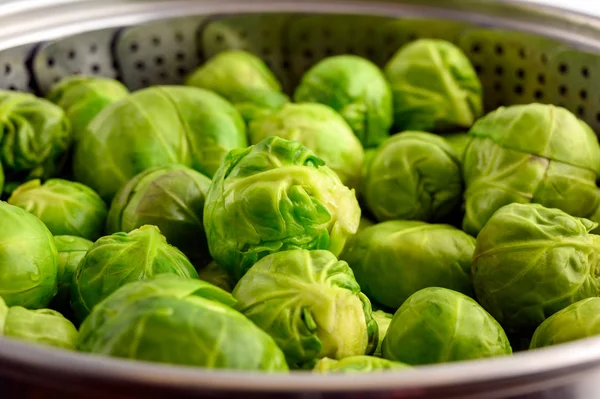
(374, 220)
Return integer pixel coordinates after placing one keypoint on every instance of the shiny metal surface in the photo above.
(523, 53)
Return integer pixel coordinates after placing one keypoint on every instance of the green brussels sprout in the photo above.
(71, 250)
(413, 176)
(319, 128)
(65, 207)
(83, 97)
(383, 320)
(356, 364)
(458, 141)
(367, 160)
(438, 325)
(179, 321)
(1, 179)
(35, 136)
(215, 274)
(531, 261)
(28, 259)
(274, 196)
(393, 260)
(577, 321)
(434, 87)
(153, 127)
(170, 197)
(121, 258)
(530, 153)
(357, 89)
(310, 303)
(364, 223)
(242, 78)
(42, 326)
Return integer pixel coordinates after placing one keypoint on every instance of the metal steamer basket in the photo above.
(522, 52)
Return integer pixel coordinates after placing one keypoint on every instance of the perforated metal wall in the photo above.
(514, 67)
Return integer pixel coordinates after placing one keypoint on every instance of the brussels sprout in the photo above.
(274, 196)
(310, 303)
(434, 87)
(42, 326)
(170, 197)
(243, 79)
(65, 207)
(35, 136)
(438, 325)
(393, 260)
(458, 141)
(71, 250)
(121, 258)
(368, 158)
(319, 128)
(179, 321)
(413, 176)
(1, 179)
(383, 320)
(357, 89)
(530, 153)
(356, 364)
(364, 223)
(216, 275)
(83, 97)
(153, 127)
(577, 321)
(28, 259)
(531, 261)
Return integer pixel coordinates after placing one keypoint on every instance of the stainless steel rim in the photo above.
(31, 22)
(530, 369)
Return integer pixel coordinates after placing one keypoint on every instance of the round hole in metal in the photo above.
(522, 53)
(585, 72)
(519, 89)
(538, 94)
(541, 79)
(563, 90)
